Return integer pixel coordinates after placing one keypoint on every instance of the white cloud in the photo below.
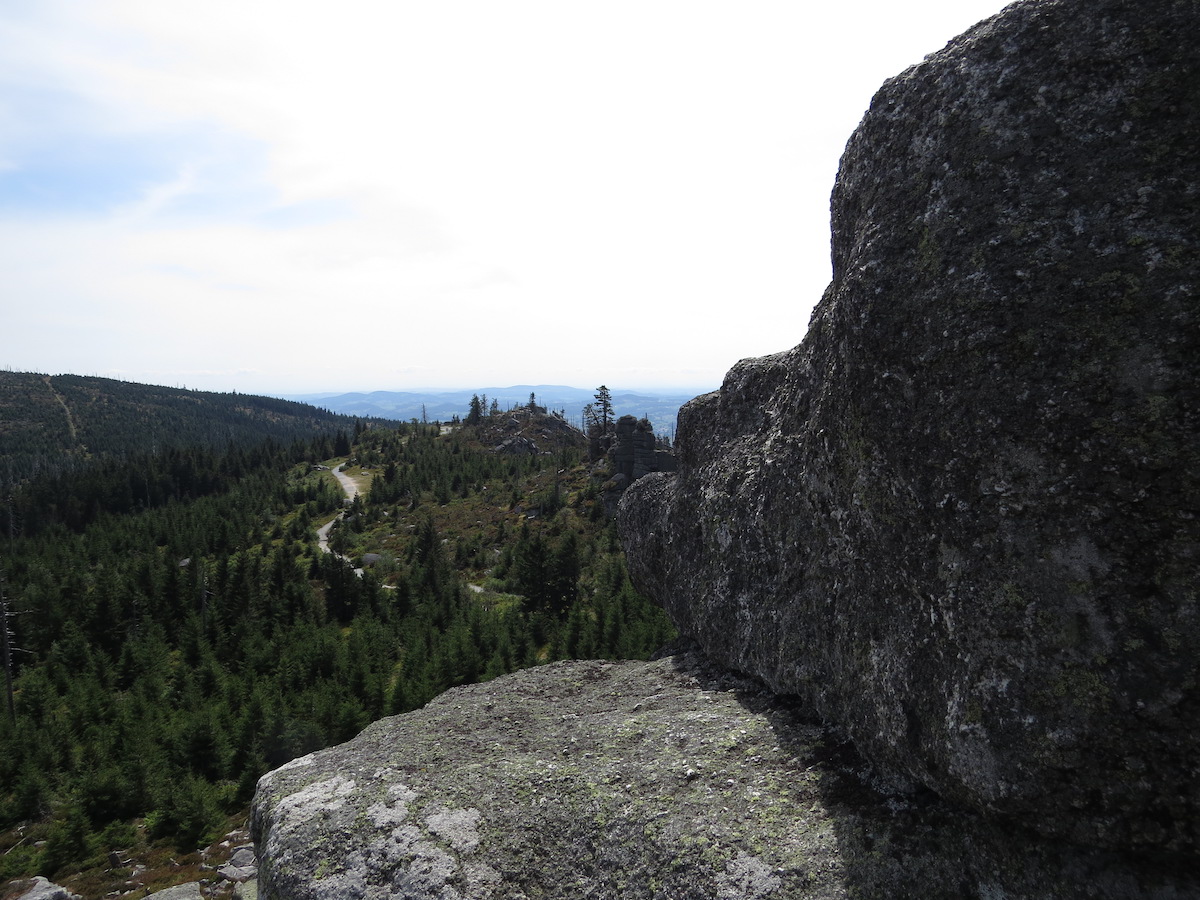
(476, 192)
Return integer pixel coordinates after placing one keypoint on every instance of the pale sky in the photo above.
(281, 197)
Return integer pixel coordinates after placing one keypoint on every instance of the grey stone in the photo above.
(574, 779)
(962, 518)
(637, 780)
(189, 891)
(518, 446)
(238, 873)
(635, 450)
(242, 857)
(44, 889)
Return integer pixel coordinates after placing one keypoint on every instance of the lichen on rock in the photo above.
(639, 780)
(960, 518)
(608, 778)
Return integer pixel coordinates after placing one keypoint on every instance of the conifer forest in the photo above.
(176, 626)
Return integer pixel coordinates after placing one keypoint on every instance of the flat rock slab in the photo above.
(589, 778)
(243, 857)
(189, 891)
(237, 873)
(632, 780)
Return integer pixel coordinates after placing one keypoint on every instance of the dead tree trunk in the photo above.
(6, 654)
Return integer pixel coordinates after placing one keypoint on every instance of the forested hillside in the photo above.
(180, 630)
(55, 423)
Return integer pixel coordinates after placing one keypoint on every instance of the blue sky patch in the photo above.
(60, 156)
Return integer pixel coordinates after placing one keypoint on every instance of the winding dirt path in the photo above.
(351, 490)
(349, 485)
(323, 534)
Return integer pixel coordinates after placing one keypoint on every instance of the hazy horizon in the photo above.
(526, 386)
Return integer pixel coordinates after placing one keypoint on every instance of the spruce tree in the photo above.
(604, 408)
(475, 413)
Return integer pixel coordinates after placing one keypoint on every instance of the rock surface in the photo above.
(189, 891)
(242, 865)
(44, 889)
(575, 779)
(960, 519)
(633, 780)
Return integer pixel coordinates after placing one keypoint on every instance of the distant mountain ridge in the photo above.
(441, 406)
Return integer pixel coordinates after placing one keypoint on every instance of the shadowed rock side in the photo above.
(632, 780)
(960, 519)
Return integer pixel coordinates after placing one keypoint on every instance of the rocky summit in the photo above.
(959, 520)
(949, 542)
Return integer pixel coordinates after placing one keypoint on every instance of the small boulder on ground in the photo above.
(44, 889)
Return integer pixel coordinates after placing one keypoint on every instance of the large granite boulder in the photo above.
(960, 520)
(635, 781)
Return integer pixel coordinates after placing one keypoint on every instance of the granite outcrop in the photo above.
(960, 519)
(667, 779)
(636, 451)
(939, 562)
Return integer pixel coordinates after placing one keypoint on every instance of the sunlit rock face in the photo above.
(577, 779)
(960, 519)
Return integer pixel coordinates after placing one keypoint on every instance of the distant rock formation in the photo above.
(525, 431)
(632, 450)
(962, 518)
(635, 451)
